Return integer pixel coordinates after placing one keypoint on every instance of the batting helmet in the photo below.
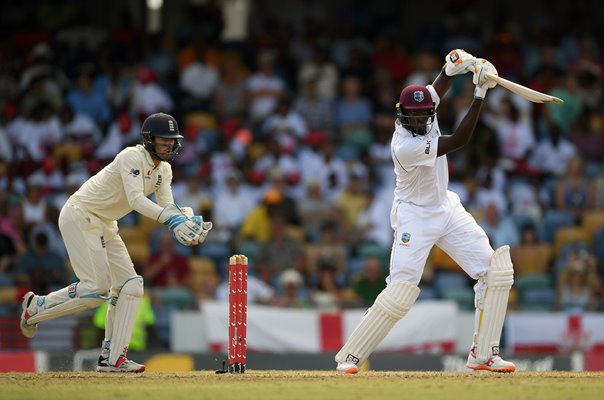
(416, 110)
(160, 125)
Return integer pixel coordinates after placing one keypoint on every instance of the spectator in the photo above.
(352, 202)
(328, 251)
(293, 292)
(587, 135)
(41, 269)
(122, 132)
(278, 253)
(574, 191)
(256, 226)
(370, 282)
(323, 72)
(515, 135)
(316, 109)
(166, 267)
(327, 168)
(552, 153)
(577, 284)
(198, 82)
(315, 211)
(41, 80)
(353, 111)
(530, 256)
(233, 203)
(34, 206)
(564, 115)
(8, 255)
(264, 88)
(500, 230)
(86, 100)
(50, 175)
(190, 192)
(328, 292)
(258, 292)
(148, 96)
(285, 124)
(6, 147)
(229, 98)
(35, 135)
(10, 217)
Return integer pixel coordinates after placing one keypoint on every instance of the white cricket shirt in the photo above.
(421, 177)
(124, 184)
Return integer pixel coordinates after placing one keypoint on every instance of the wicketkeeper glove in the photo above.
(186, 230)
(459, 62)
(481, 70)
(206, 226)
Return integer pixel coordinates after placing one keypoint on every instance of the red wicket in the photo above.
(238, 270)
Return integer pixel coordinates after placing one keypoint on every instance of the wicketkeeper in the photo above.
(100, 260)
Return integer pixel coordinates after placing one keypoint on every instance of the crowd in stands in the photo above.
(287, 152)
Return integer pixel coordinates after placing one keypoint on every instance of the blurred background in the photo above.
(287, 109)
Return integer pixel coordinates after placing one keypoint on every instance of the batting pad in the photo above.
(126, 308)
(492, 307)
(390, 306)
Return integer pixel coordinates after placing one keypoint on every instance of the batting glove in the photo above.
(481, 71)
(459, 62)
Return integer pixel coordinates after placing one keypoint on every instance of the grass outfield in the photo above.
(305, 385)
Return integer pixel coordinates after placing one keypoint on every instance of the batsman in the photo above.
(425, 213)
(100, 260)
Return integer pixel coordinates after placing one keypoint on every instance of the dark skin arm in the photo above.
(463, 133)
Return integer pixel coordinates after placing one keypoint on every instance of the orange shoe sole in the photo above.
(509, 369)
(349, 371)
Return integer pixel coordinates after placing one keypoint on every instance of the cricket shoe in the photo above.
(122, 365)
(347, 368)
(29, 308)
(493, 364)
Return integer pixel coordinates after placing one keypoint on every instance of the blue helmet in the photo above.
(160, 125)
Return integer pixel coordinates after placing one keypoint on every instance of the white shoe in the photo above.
(122, 365)
(493, 364)
(347, 368)
(29, 331)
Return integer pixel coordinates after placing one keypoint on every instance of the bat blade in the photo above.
(529, 94)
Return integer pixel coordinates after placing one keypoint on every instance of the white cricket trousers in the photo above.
(97, 253)
(448, 226)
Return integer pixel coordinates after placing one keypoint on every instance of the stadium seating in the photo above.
(593, 221)
(566, 235)
(445, 280)
(202, 268)
(463, 296)
(528, 260)
(552, 221)
(535, 292)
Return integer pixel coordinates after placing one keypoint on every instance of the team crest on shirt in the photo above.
(418, 96)
(72, 290)
(405, 238)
